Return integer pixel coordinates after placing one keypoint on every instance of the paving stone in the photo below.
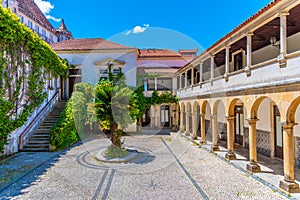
(170, 167)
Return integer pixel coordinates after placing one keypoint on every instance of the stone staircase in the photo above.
(39, 140)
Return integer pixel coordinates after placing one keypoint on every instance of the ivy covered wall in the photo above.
(26, 62)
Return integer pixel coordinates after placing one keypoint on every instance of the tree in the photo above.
(113, 107)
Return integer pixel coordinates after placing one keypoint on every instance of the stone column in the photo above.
(283, 39)
(155, 83)
(181, 121)
(203, 135)
(157, 113)
(212, 68)
(288, 184)
(227, 63)
(201, 74)
(192, 77)
(230, 155)
(194, 117)
(187, 123)
(180, 80)
(252, 166)
(186, 80)
(249, 54)
(214, 121)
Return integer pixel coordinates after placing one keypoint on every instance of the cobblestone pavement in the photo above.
(169, 167)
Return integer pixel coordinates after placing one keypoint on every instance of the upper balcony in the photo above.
(264, 52)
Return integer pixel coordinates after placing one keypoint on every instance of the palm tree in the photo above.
(113, 107)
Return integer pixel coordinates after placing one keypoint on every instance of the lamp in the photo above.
(274, 42)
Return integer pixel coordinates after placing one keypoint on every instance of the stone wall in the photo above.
(297, 153)
(262, 141)
(208, 130)
(222, 131)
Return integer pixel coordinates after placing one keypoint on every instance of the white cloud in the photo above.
(127, 32)
(46, 8)
(138, 29)
(53, 18)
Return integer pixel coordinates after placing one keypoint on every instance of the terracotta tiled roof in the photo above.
(87, 44)
(188, 50)
(162, 63)
(161, 70)
(29, 8)
(146, 53)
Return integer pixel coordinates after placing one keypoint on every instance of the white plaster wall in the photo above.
(207, 112)
(90, 72)
(221, 113)
(264, 54)
(270, 75)
(293, 43)
(264, 117)
(40, 27)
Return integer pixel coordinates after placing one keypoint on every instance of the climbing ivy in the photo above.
(25, 63)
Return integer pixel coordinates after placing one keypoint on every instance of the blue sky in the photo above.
(169, 24)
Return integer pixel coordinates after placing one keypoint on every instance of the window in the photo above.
(29, 24)
(164, 83)
(43, 34)
(21, 19)
(51, 39)
(238, 59)
(103, 73)
(37, 29)
(151, 84)
(189, 77)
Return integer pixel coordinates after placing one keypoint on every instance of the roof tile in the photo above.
(87, 44)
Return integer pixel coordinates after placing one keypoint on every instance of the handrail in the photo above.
(27, 129)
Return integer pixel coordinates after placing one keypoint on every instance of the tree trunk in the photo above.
(115, 137)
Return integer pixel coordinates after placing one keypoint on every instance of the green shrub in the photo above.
(64, 133)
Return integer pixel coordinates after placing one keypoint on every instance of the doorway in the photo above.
(239, 125)
(165, 116)
(278, 133)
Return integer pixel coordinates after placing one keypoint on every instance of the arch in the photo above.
(182, 106)
(216, 105)
(195, 106)
(188, 107)
(257, 103)
(290, 115)
(204, 105)
(232, 104)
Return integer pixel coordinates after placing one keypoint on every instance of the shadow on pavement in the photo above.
(22, 170)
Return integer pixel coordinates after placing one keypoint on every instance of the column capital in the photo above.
(252, 120)
(202, 114)
(284, 13)
(214, 116)
(250, 33)
(288, 125)
(230, 118)
(228, 46)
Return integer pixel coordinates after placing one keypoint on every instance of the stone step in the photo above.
(44, 141)
(39, 140)
(45, 126)
(31, 146)
(40, 135)
(35, 149)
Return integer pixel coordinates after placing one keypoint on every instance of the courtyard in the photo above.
(169, 166)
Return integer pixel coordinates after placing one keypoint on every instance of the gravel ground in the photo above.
(169, 167)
